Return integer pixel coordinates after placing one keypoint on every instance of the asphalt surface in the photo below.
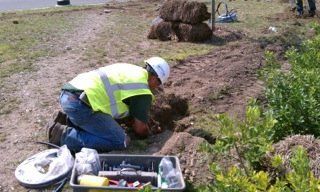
(12, 5)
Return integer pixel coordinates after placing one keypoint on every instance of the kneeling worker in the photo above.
(94, 100)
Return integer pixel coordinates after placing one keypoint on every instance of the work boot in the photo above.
(311, 14)
(58, 117)
(299, 14)
(55, 133)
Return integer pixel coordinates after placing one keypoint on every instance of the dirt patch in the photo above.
(225, 35)
(193, 163)
(221, 81)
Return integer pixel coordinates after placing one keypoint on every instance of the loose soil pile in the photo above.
(182, 21)
(194, 164)
(286, 147)
(223, 80)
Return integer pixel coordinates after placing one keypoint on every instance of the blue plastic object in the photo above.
(228, 16)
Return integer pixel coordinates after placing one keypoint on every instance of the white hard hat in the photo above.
(160, 66)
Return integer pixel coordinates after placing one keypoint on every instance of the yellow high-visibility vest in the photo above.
(108, 86)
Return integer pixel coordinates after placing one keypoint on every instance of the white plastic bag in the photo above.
(170, 177)
(87, 162)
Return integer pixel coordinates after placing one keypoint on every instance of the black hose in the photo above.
(225, 6)
(49, 144)
(62, 183)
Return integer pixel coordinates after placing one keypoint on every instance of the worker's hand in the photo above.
(126, 123)
(154, 126)
(140, 128)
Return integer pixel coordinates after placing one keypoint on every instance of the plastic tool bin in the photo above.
(132, 168)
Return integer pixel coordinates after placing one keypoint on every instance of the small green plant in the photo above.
(271, 65)
(147, 189)
(250, 139)
(235, 179)
(301, 178)
(219, 94)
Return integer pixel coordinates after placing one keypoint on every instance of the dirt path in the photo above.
(37, 92)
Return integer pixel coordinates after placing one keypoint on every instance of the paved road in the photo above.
(10, 5)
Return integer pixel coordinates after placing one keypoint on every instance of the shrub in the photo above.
(235, 179)
(249, 139)
(294, 97)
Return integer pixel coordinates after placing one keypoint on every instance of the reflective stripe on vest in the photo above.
(110, 89)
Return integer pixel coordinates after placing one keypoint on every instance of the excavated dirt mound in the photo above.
(194, 164)
(221, 81)
(184, 11)
(288, 145)
(166, 110)
(180, 31)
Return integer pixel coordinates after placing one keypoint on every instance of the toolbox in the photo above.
(129, 171)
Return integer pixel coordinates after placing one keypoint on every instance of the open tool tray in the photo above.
(142, 168)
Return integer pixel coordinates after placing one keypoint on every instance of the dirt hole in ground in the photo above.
(168, 108)
(197, 132)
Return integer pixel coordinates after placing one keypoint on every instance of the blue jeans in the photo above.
(91, 129)
(312, 6)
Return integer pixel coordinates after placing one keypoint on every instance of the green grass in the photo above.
(205, 120)
(252, 15)
(27, 36)
(138, 145)
(124, 39)
(7, 105)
